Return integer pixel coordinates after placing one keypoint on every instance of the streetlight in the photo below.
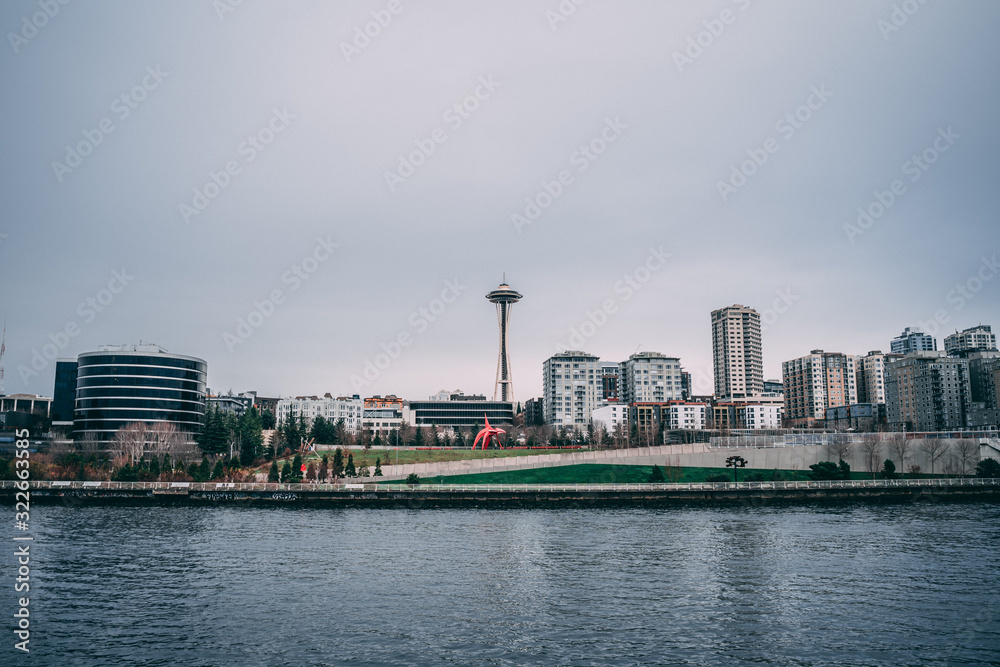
(736, 462)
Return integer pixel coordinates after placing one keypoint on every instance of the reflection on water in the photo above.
(862, 585)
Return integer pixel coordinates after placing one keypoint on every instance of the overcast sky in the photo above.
(623, 122)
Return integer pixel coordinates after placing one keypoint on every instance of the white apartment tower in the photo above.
(650, 377)
(572, 388)
(736, 344)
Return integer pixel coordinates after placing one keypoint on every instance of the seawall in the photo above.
(560, 495)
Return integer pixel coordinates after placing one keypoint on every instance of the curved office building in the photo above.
(137, 383)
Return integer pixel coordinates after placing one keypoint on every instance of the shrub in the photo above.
(413, 478)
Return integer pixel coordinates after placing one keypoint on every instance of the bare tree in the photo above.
(967, 453)
(840, 448)
(934, 449)
(900, 446)
(129, 444)
(871, 447)
(164, 438)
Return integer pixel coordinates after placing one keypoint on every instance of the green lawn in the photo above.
(596, 473)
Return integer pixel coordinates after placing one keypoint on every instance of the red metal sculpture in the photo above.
(487, 434)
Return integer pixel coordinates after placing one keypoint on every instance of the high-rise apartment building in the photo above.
(928, 391)
(815, 382)
(912, 340)
(980, 338)
(736, 345)
(572, 383)
(650, 377)
(870, 375)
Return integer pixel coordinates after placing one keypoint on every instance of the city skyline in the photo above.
(289, 213)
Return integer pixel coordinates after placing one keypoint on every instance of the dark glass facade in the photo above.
(114, 389)
(461, 413)
(64, 392)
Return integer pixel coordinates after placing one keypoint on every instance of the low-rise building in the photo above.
(685, 415)
(611, 416)
(348, 408)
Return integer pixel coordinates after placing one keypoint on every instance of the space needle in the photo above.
(504, 297)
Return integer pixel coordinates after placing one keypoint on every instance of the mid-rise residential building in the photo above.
(736, 346)
(229, 404)
(685, 415)
(912, 340)
(773, 387)
(766, 411)
(984, 371)
(348, 408)
(928, 391)
(870, 375)
(534, 412)
(974, 339)
(610, 381)
(815, 382)
(650, 377)
(573, 387)
(383, 414)
(611, 416)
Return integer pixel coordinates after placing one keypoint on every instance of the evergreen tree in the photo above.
(303, 429)
(324, 468)
(251, 436)
(459, 438)
(290, 434)
(154, 468)
(435, 439)
(311, 471)
(205, 470)
(165, 467)
(377, 441)
(320, 431)
(338, 462)
(193, 472)
(286, 472)
(350, 470)
(297, 468)
(845, 469)
(233, 463)
(218, 471)
(418, 437)
(656, 476)
(888, 470)
(267, 420)
(339, 438)
(212, 439)
(378, 467)
(272, 475)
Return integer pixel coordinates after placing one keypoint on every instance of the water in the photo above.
(858, 585)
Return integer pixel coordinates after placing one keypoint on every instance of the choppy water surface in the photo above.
(860, 585)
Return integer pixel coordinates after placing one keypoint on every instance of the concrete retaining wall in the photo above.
(797, 457)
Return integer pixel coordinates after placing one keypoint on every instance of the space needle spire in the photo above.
(504, 297)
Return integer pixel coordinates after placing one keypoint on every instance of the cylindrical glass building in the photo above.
(117, 385)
